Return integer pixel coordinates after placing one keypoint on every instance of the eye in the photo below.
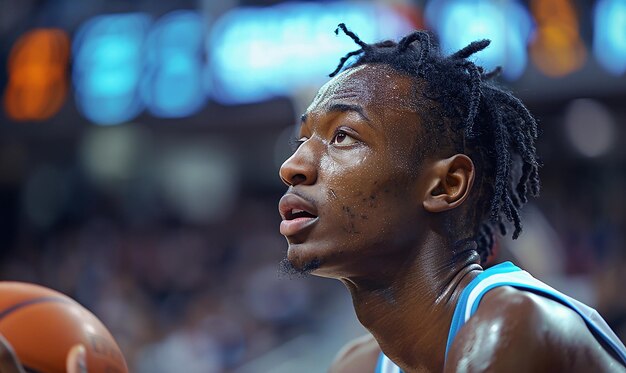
(341, 138)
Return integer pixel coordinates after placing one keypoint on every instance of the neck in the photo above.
(410, 312)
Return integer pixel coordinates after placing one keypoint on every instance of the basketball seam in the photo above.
(29, 302)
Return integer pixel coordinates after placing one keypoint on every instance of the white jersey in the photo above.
(507, 274)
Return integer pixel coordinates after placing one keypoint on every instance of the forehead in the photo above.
(370, 86)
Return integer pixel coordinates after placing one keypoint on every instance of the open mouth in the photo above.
(297, 213)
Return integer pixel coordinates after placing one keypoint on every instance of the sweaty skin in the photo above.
(377, 227)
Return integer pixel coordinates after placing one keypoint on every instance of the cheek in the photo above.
(365, 196)
(340, 163)
(375, 207)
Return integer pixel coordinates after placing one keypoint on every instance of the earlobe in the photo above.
(450, 182)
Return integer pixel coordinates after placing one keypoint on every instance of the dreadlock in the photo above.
(491, 124)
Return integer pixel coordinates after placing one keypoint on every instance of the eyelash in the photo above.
(341, 131)
(295, 142)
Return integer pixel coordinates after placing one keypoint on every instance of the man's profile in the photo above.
(408, 162)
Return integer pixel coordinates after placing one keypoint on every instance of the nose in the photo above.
(300, 168)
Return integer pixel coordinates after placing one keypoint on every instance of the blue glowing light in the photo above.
(258, 53)
(171, 85)
(609, 39)
(506, 23)
(108, 64)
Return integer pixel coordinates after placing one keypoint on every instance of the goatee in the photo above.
(287, 269)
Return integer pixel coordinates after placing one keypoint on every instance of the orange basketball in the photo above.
(42, 325)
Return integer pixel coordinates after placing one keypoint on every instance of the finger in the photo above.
(8, 360)
(77, 359)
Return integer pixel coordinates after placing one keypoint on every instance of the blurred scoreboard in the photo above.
(120, 65)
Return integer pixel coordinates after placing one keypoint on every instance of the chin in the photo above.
(302, 259)
(305, 259)
(318, 259)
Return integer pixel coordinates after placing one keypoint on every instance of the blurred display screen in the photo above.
(37, 75)
(257, 53)
(170, 85)
(557, 48)
(108, 65)
(506, 23)
(609, 41)
(123, 64)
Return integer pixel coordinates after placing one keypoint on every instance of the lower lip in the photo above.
(291, 227)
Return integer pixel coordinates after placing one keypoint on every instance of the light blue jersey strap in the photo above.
(379, 364)
(385, 365)
(507, 274)
(524, 281)
(458, 318)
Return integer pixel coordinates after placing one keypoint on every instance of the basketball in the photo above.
(42, 326)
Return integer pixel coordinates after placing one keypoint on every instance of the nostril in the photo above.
(298, 179)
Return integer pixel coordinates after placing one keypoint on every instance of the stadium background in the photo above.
(140, 144)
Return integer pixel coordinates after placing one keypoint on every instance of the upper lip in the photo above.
(291, 202)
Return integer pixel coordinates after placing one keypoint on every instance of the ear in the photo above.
(450, 182)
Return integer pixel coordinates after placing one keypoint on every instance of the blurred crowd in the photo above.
(208, 298)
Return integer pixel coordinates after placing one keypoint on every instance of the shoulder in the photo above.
(518, 331)
(359, 355)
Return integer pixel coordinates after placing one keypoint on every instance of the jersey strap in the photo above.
(460, 316)
(507, 274)
(385, 365)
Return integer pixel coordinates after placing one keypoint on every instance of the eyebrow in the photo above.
(343, 108)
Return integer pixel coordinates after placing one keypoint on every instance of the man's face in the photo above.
(355, 175)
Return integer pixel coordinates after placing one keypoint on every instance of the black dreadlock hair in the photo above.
(491, 124)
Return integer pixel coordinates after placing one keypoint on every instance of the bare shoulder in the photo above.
(357, 356)
(518, 331)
